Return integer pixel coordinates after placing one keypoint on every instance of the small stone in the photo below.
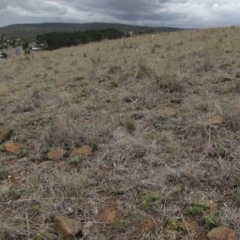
(67, 228)
(215, 120)
(109, 214)
(56, 154)
(82, 151)
(5, 135)
(14, 148)
(222, 233)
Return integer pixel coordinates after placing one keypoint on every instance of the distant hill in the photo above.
(31, 30)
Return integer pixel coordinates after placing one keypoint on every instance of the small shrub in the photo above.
(23, 152)
(150, 200)
(210, 219)
(4, 173)
(174, 225)
(15, 194)
(74, 160)
(182, 187)
(196, 208)
(32, 158)
(2, 148)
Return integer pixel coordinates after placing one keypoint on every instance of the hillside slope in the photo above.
(155, 121)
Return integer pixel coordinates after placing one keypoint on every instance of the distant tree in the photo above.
(4, 55)
(13, 43)
(25, 45)
(57, 40)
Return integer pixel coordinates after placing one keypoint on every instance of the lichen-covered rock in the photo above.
(56, 154)
(14, 148)
(82, 151)
(222, 233)
(67, 228)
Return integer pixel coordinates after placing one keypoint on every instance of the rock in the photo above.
(14, 148)
(56, 154)
(67, 228)
(5, 135)
(109, 214)
(222, 233)
(215, 120)
(82, 151)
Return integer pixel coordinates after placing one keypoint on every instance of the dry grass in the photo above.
(156, 168)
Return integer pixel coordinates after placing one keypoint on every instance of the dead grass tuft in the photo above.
(154, 48)
(64, 132)
(207, 64)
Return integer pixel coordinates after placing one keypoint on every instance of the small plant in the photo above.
(32, 158)
(94, 144)
(196, 208)
(174, 225)
(4, 173)
(46, 149)
(2, 148)
(23, 152)
(74, 160)
(211, 219)
(182, 187)
(14, 194)
(150, 200)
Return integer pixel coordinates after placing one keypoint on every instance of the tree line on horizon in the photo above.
(57, 40)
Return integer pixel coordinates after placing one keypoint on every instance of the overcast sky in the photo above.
(170, 13)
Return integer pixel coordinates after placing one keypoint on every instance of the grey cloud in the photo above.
(180, 13)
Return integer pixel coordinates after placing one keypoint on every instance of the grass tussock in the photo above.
(63, 132)
(157, 164)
